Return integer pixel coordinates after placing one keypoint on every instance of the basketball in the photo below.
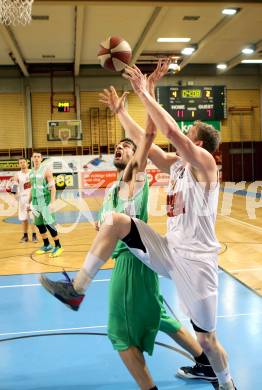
(114, 53)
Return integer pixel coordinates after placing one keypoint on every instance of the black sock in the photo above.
(57, 244)
(202, 359)
(26, 235)
(154, 388)
(46, 241)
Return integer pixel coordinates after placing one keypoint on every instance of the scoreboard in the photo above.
(193, 103)
(63, 107)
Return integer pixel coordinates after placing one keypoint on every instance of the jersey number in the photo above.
(175, 204)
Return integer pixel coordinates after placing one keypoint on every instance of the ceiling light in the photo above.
(173, 39)
(174, 67)
(221, 66)
(248, 50)
(188, 50)
(229, 11)
(251, 61)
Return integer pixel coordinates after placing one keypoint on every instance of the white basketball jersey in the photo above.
(192, 213)
(24, 185)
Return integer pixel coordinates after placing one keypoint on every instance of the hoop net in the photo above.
(64, 135)
(14, 12)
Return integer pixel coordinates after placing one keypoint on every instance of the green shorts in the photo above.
(168, 324)
(45, 217)
(136, 310)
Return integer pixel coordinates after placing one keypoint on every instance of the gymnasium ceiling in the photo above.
(66, 34)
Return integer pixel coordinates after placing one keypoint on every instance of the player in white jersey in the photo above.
(188, 252)
(22, 187)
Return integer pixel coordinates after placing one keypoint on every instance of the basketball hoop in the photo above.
(64, 135)
(13, 12)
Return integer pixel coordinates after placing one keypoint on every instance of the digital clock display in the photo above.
(191, 93)
(63, 106)
(193, 103)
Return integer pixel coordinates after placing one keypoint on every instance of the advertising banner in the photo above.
(11, 165)
(67, 180)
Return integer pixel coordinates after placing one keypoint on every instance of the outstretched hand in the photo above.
(111, 99)
(160, 71)
(137, 79)
(142, 82)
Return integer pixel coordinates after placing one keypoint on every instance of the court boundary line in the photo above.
(243, 223)
(39, 284)
(184, 319)
(167, 346)
(246, 269)
(240, 281)
(51, 330)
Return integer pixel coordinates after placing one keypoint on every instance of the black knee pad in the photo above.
(133, 240)
(52, 230)
(42, 229)
(197, 329)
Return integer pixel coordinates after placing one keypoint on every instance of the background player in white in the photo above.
(188, 252)
(21, 188)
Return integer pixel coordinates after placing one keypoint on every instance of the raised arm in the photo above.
(117, 105)
(196, 156)
(132, 129)
(137, 164)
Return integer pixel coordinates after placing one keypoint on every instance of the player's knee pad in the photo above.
(133, 239)
(42, 229)
(52, 230)
(197, 329)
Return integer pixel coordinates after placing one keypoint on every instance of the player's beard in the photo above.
(120, 166)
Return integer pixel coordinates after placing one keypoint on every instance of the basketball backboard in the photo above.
(58, 130)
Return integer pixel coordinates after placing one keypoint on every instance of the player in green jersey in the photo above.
(131, 328)
(43, 195)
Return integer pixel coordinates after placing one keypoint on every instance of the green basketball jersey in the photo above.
(135, 206)
(41, 195)
(136, 310)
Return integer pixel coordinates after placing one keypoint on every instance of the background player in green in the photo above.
(43, 195)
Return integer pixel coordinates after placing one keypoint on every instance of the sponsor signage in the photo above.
(11, 165)
(185, 125)
(98, 179)
(103, 179)
(66, 180)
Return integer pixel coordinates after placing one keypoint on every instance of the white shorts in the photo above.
(23, 214)
(196, 280)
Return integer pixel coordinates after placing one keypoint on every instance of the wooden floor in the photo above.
(240, 238)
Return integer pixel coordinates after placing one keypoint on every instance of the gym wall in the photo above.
(243, 122)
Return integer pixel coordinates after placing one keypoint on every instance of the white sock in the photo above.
(224, 379)
(88, 271)
(227, 386)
